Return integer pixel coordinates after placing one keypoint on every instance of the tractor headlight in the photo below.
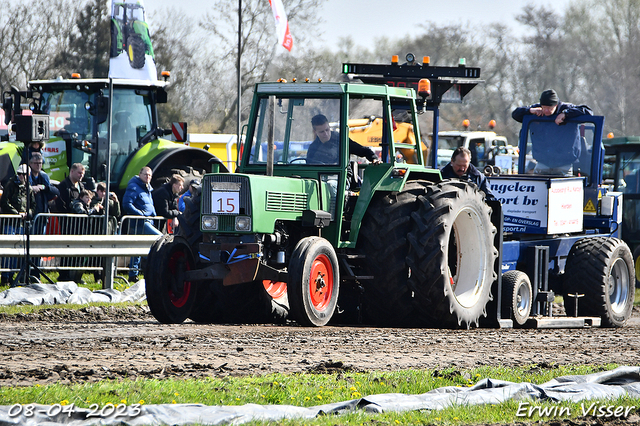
(243, 223)
(210, 223)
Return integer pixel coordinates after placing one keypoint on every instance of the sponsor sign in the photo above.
(565, 206)
(540, 206)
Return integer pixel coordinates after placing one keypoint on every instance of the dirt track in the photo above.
(98, 343)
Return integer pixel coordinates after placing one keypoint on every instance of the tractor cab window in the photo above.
(67, 113)
(629, 173)
(70, 124)
(132, 119)
(559, 150)
(296, 140)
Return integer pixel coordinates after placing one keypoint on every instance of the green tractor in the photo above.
(349, 241)
(130, 33)
(622, 172)
(77, 112)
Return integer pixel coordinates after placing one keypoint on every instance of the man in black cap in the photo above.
(555, 151)
(550, 105)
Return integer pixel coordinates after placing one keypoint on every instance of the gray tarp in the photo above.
(69, 292)
(623, 381)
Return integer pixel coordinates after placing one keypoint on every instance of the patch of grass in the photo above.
(308, 390)
(30, 309)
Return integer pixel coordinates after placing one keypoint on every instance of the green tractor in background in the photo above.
(622, 172)
(130, 33)
(77, 112)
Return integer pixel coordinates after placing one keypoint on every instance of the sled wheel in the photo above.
(602, 269)
(517, 296)
(135, 51)
(169, 296)
(452, 256)
(314, 282)
(387, 298)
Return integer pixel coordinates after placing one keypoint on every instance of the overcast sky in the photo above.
(366, 20)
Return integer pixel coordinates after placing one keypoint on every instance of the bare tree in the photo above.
(258, 49)
(32, 34)
(606, 37)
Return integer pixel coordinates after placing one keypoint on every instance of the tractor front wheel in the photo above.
(169, 296)
(314, 282)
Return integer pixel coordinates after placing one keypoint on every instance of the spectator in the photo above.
(165, 200)
(14, 201)
(35, 146)
(70, 188)
(193, 186)
(114, 203)
(82, 204)
(138, 201)
(114, 215)
(14, 197)
(41, 186)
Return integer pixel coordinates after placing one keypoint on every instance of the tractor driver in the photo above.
(461, 168)
(325, 147)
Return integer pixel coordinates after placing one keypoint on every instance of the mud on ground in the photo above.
(95, 343)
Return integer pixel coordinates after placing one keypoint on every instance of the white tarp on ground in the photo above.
(607, 385)
(69, 292)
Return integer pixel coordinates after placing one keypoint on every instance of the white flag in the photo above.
(282, 26)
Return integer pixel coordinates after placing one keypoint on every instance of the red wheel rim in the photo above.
(321, 282)
(275, 289)
(178, 300)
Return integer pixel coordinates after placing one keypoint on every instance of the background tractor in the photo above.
(622, 173)
(77, 112)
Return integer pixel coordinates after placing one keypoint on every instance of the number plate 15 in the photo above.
(225, 202)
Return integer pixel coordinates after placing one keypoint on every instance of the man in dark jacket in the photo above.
(550, 105)
(41, 185)
(14, 197)
(14, 201)
(461, 168)
(325, 147)
(138, 201)
(554, 150)
(165, 198)
(70, 189)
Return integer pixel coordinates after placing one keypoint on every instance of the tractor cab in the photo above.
(283, 141)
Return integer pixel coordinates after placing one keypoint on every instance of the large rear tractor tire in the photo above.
(314, 282)
(169, 296)
(135, 51)
(387, 298)
(602, 269)
(517, 296)
(452, 257)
